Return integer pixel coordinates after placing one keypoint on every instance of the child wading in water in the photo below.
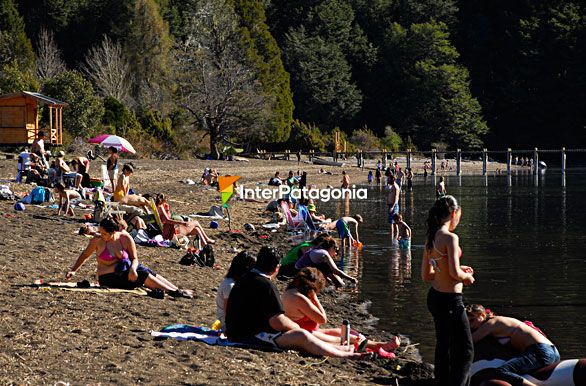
(454, 350)
(404, 235)
(342, 226)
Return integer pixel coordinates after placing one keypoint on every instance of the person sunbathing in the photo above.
(172, 227)
(302, 305)
(121, 193)
(535, 350)
(118, 265)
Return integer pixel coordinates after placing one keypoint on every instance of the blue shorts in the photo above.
(405, 243)
(392, 213)
(342, 228)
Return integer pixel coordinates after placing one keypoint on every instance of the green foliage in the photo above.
(85, 110)
(148, 46)
(307, 137)
(434, 102)
(365, 140)
(122, 121)
(15, 46)
(159, 127)
(12, 79)
(265, 58)
(392, 140)
(323, 89)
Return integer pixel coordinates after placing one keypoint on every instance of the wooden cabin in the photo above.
(19, 118)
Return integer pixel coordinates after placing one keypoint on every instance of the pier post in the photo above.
(335, 156)
(509, 160)
(458, 162)
(535, 161)
(563, 160)
(433, 161)
(484, 161)
(288, 153)
(408, 158)
(384, 158)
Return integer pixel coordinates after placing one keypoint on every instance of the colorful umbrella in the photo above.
(107, 140)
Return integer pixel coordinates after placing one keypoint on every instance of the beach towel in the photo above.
(201, 334)
(93, 287)
(215, 213)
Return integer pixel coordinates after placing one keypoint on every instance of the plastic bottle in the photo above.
(345, 336)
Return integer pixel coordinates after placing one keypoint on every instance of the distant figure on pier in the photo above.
(378, 175)
(409, 177)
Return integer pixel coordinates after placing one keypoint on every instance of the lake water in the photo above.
(524, 237)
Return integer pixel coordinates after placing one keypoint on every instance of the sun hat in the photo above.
(311, 207)
(61, 153)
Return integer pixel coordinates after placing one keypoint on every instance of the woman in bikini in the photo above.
(302, 305)
(441, 266)
(118, 265)
(536, 351)
(121, 194)
(173, 227)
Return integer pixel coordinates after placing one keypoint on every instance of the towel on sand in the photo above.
(93, 287)
(202, 334)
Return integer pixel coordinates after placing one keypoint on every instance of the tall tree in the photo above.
(109, 70)
(148, 47)
(49, 61)
(215, 85)
(426, 92)
(265, 59)
(14, 43)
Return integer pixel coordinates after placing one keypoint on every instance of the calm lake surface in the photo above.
(525, 239)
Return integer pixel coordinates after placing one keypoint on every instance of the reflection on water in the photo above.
(524, 236)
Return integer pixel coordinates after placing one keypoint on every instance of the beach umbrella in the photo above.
(107, 140)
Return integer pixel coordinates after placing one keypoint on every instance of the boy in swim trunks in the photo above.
(404, 234)
(342, 227)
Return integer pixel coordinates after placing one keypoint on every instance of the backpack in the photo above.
(38, 195)
(101, 211)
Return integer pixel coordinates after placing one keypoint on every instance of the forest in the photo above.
(186, 76)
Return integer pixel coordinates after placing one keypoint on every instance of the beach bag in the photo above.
(204, 257)
(101, 211)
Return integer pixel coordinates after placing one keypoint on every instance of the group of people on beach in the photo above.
(250, 308)
(458, 326)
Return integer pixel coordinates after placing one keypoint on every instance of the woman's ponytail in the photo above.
(437, 215)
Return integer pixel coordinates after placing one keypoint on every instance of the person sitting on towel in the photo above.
(118, 265)
(255, 314)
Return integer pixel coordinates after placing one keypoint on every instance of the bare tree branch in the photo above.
(49, 62)
(109, 70)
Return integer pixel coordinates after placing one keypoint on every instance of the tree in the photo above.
(214, 82)
(321, 76)
(109, 70)
(12, 79)
(365, 140)
(424, 92)
(148, 46)
(49, 62)
(14, 43)
(85, 109)
(265, 59)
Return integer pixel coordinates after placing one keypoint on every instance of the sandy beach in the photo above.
(95, 338)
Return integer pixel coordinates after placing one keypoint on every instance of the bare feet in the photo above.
(392, 345)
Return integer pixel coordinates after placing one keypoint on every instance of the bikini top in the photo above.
(106, 255)
(435, 260)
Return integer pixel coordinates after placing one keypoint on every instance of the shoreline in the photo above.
(65, 325)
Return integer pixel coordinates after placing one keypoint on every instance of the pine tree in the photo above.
(265, 57)
(14, 43)
(148, 47)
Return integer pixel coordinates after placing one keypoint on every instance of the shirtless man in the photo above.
(67, 197)
(65, 171)
(393, 206)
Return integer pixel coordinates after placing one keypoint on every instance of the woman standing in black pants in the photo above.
(454, 349)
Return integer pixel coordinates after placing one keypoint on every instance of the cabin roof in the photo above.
(43, 99)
